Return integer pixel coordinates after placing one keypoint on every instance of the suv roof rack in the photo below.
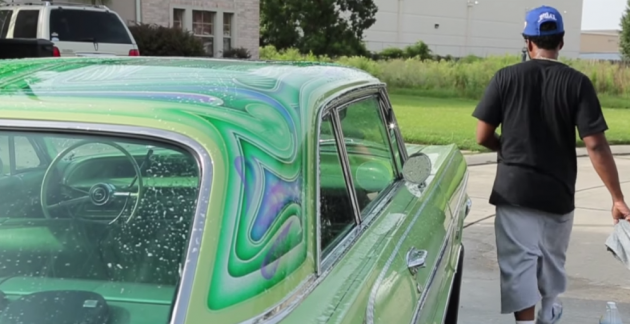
(50, 3)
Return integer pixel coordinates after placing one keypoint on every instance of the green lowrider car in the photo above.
(185, 191)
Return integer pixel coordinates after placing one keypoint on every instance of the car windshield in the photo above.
(93, 229)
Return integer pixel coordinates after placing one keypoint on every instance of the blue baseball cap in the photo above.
(538, 16)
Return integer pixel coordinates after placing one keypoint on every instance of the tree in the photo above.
(624, 39)
(325, 27)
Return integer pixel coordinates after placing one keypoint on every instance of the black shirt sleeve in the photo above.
(589, 117)
(489, 108)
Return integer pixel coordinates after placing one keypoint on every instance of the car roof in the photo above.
(52, 5)
(197, 86)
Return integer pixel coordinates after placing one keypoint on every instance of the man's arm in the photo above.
(489, 112)
(487, 137)
(604, 163)
(591, 127)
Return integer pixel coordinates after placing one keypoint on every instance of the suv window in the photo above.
(5, 20)
(336, 211)
(71, 25)
(26, 24)
(368, 146)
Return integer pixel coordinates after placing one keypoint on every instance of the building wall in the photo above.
(600, 42)
(246, 19)
(125, 8)
(246, 22)
(463, 27)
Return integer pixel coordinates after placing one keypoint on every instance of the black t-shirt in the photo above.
(538, 104)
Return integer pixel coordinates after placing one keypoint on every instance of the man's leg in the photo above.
(518, 237)
(552, 280)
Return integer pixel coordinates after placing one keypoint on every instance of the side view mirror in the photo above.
(417, 168)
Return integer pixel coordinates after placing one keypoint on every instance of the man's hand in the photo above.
(620, 211)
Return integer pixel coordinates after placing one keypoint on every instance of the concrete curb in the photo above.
(491, 158)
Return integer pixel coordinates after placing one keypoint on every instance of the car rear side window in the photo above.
(5, 20)
(26, 24)
(71, 25)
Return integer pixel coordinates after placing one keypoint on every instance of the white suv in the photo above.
(75, 29)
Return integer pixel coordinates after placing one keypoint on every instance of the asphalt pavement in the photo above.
(595, 276)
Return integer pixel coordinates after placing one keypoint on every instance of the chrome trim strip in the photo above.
(468, 206)
(462, 191)
(450, 287)
(431, 280)
(395, 253)
(182, 300)
(453, 223)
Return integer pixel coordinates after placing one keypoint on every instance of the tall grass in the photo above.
(468, 77)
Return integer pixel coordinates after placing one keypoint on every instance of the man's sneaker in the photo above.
(556, 314)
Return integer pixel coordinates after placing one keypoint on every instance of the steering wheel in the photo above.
(99, 194)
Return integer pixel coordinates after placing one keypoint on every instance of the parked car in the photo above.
(189, 190)
(75, 29)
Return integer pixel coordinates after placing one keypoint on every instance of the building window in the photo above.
(227, 31)
(178, 18)
(203, 28)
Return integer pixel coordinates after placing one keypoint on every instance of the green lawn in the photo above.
(425, 120)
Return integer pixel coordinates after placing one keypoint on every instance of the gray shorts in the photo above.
(531, 249)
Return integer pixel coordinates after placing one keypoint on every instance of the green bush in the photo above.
(418, 50)
(155, 40)
(466, 77)
(237, 53)
(392, 53)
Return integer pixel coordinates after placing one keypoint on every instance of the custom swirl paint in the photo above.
(261, 116)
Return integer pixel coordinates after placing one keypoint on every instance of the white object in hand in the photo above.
(612, 315)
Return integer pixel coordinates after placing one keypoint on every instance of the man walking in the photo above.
(539, 103)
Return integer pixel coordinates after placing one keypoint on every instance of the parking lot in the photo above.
(595, 276)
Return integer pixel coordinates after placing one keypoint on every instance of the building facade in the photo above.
(220, 24)
(464, 27)
(600, 45)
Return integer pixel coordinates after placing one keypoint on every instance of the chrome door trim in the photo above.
(447, 238)
(395, 253)
(450, 288)
(204, 163)
(431, 280)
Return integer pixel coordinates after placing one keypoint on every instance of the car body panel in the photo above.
(258, 122)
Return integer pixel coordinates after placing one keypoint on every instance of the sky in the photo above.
(602, 14)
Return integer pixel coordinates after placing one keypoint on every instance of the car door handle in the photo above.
(416, 259)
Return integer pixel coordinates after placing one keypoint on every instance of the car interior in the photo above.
(92, 229)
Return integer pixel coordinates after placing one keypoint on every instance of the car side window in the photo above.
(336, 211)
(367, 142)
(5, 20)
(26, 24)
(23, 152)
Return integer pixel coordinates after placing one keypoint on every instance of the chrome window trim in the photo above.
(204, 163)
(342, 150)
(401, 142)
(363, 219)
(381, 111)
